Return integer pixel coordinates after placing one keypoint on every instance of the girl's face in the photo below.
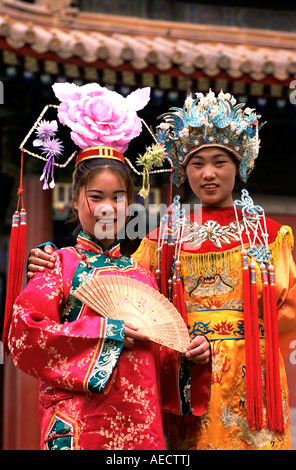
(211, 174)
(102, 206)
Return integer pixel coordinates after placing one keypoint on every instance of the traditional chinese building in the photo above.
(174, 47)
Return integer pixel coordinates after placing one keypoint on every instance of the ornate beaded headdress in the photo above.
(207, 120)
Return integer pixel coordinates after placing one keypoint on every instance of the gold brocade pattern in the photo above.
(215, 308)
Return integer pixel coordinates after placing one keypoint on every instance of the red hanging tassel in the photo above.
(17, 249)
(276, 421)
(257, 377)
(167, 251)
(248, 339)
(268, 344)
(11, 291)
(22, 246)
(252, 351)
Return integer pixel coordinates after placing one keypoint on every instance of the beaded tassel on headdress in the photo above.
(153, 157)
(166, 246)
(50, 147)
(169, 245)
(16, 258)
(254, 221)
(167, 254)
(178, 290)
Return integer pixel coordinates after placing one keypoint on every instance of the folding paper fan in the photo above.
(124, 298)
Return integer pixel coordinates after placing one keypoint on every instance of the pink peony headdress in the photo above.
(98, 116)
(101, 122)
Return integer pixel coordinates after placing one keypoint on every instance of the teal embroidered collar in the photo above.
(88, 243)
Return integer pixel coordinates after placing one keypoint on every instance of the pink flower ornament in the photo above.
(98, 116)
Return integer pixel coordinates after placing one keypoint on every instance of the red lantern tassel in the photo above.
(268, 345)
(17, 249)
(253, 369)
(276, 421)
(22, 246)
(12, 285)
(248, 340)
(258, 401)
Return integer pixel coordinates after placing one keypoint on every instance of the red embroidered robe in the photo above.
(94, 394)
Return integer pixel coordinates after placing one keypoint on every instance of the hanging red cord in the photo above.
(17, 250)
(276, 420)
(256, 376)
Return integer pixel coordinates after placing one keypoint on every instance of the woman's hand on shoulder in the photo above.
(199, 350)
(39, 259)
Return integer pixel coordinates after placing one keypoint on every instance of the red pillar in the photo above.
(20, 407)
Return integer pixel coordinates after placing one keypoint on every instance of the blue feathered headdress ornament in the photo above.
(207, 120)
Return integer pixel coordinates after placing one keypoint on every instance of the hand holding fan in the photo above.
(124, 298)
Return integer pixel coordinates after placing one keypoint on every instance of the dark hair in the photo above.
(87, 169)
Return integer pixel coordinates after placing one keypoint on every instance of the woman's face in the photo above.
(211, 174)
(102, 206)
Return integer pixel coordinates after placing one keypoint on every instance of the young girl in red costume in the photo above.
(99, 378)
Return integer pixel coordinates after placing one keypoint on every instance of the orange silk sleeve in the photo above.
(285, 281)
